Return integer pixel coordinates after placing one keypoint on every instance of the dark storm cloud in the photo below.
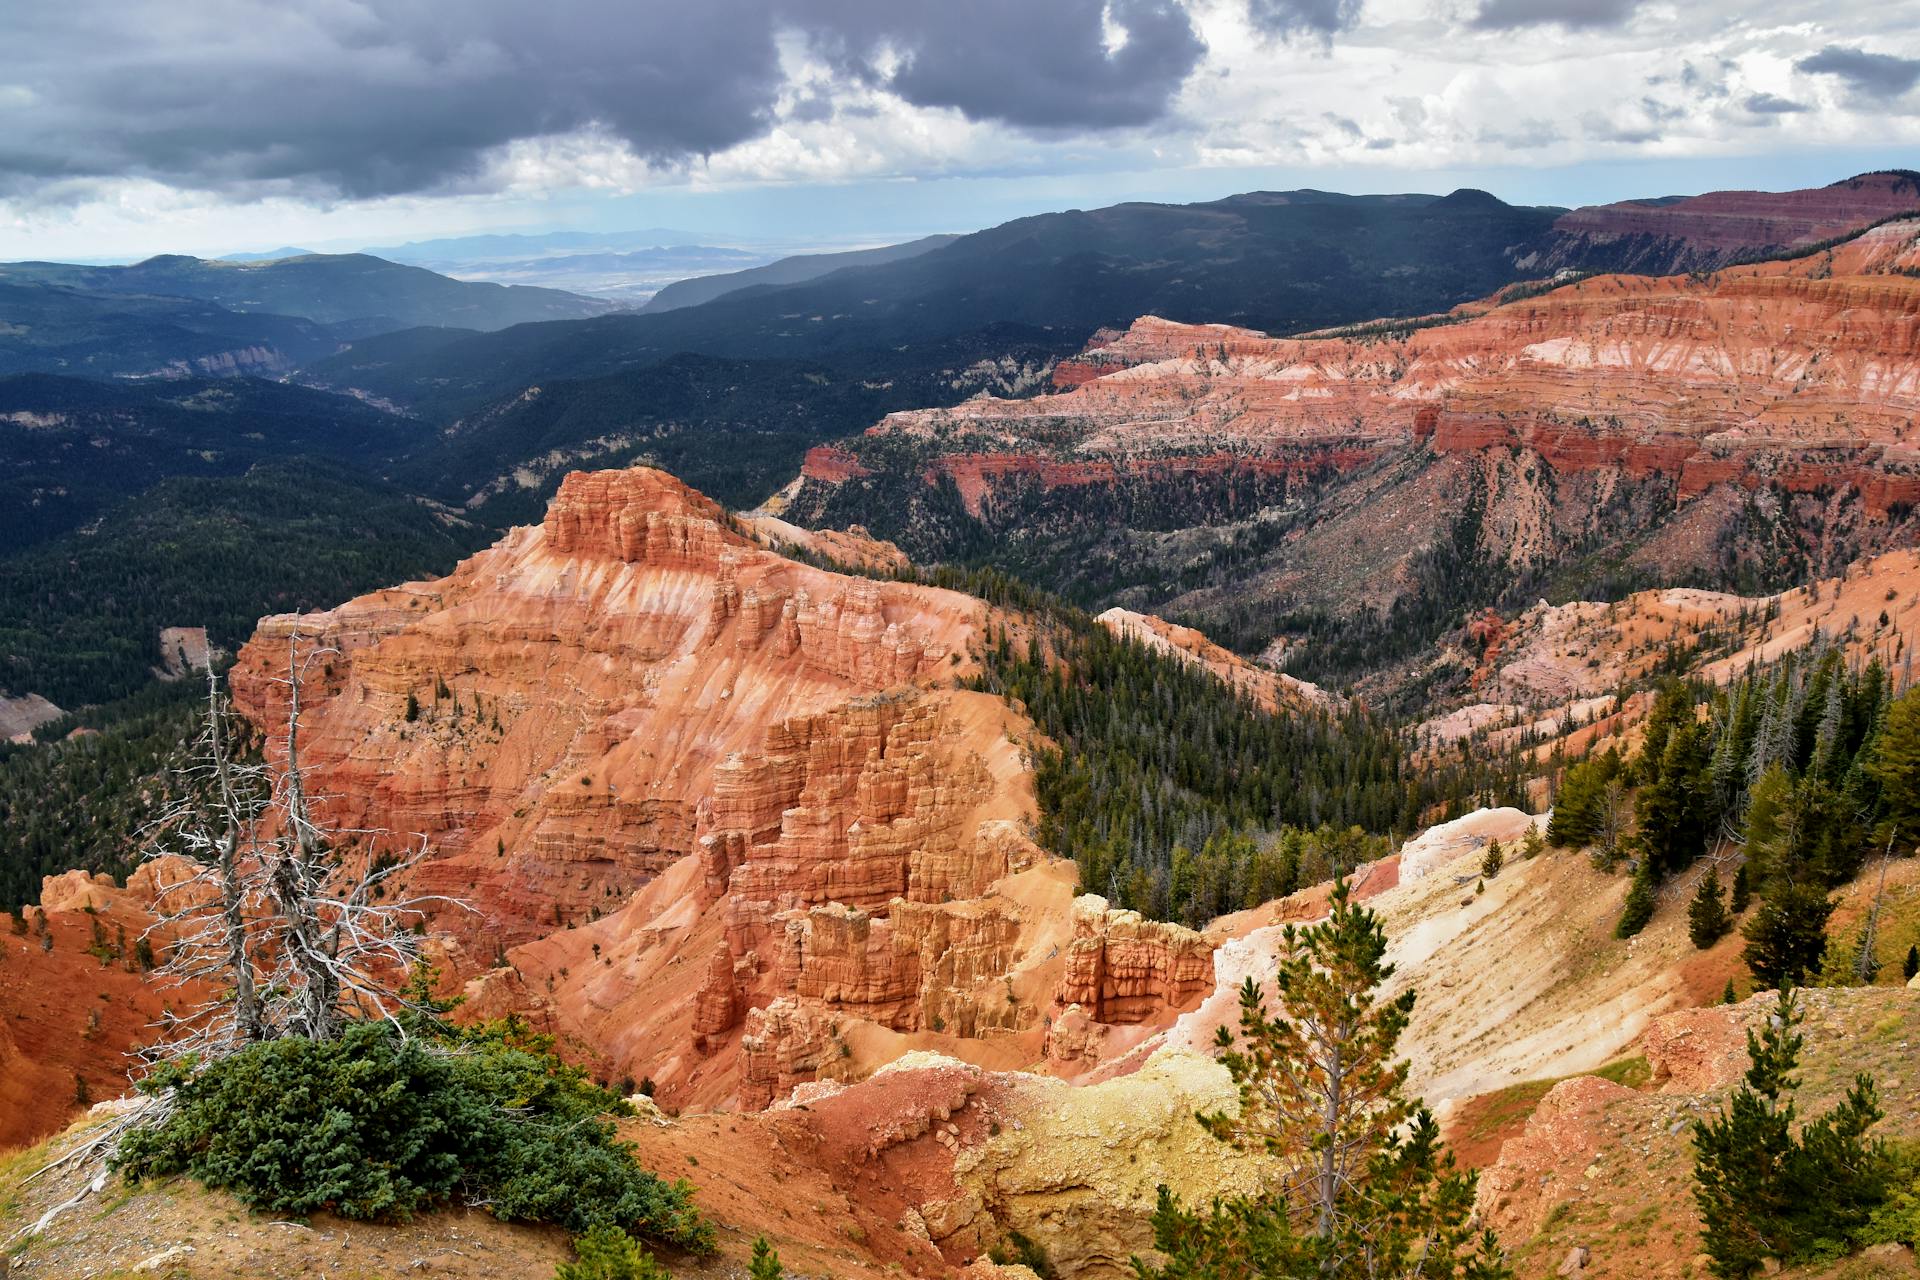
(1040, 66)
(1504, 15)
(382, 97)
(1878, 75)
(1287, 18)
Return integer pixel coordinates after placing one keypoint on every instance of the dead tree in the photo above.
(206, 916)
(341, 950)
(270, 929)
(292, 939)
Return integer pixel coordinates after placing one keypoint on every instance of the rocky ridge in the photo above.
(1702, 233)
(1754, 420)
(724, 821)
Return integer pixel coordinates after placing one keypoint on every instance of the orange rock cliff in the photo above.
(718, 819)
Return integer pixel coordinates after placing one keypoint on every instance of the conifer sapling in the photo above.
(766, 1262)
(1637, 910)
(1707, 918)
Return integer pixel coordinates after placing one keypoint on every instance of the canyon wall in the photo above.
(715, 818)
(1755, 423)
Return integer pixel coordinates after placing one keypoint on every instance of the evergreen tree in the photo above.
(1742, 890)
(1577, 809)
(1363, 1188)
(1729, 996)
(766, 1263)
(608, 1253)
(1675, 809)
(1707, 918)
(1637, 910)
(1672, 708)
(1786, 939)
(1765, 1192)
(1494, 859)
(1772, 819)
(1894, 763)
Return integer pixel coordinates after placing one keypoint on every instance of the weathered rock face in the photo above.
(723, 819)
(74, 998)
(592, 698)
(1122, 968)
(1759, 419)
(1711, 230)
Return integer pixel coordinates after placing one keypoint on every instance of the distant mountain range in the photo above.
(329, 288)
(174, 316)
(795, 270)
(504, 248)
(636, 268)
(424, 383)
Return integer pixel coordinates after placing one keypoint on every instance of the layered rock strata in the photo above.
(715, 818)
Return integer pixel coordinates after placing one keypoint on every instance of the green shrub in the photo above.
(371, 1126)
(608, 1253)
(1896, 1220)
(1018, 1249)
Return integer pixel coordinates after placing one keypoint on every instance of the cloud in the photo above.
(1877, 75)
(1057, 65)
(1505, 15)
(1767, 104)
(321, 100)
(1312, 18)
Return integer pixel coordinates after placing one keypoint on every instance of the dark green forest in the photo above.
(81, 801)
(1181, 798)
(80, 615)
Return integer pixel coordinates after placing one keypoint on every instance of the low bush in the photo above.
(376, 1126)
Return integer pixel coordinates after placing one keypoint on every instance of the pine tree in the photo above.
(1675, 808)
(1493, 861)
(1895, 764)
(1729, 996)
(1773, 822)
(766, 1263)
(1761, 1190)
(1707, 918)
(1742, 890)
(413, 707)
(1363, 1188)
(1637, 910)
(608, 1253)
(1787, 939)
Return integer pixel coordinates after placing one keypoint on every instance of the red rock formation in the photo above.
(74, 1001)
(1804, 372)
(1122, 968)
(704, 801)
(1710, 230)
(1616, 396)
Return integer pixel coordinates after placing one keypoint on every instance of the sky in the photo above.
(132, 127)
